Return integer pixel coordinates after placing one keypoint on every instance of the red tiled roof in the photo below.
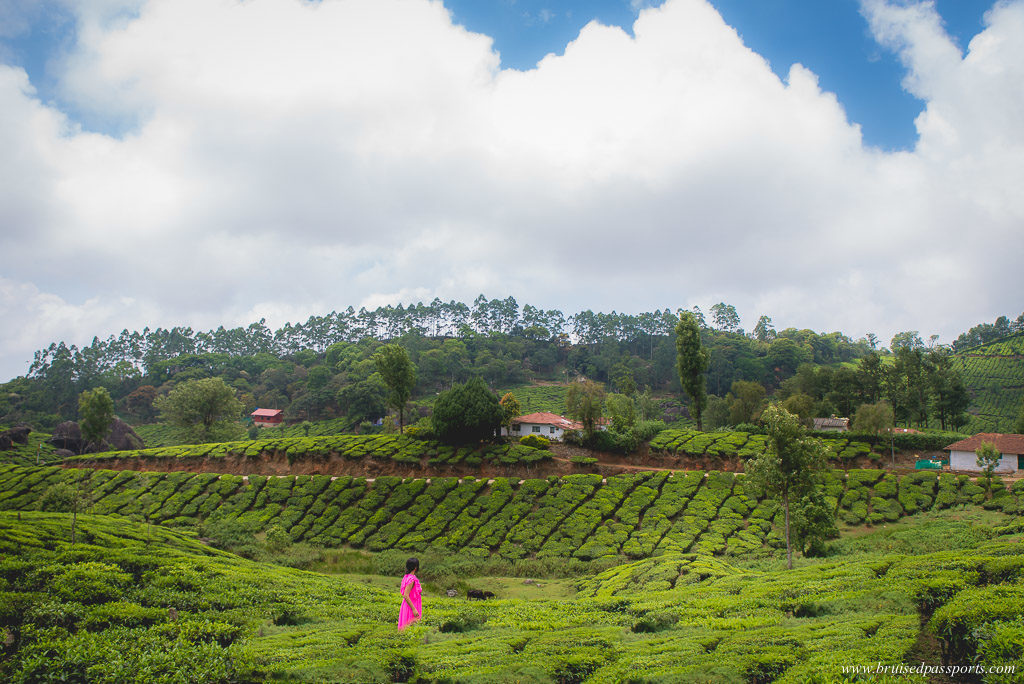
(1007, 444)
(266, 413)
(544, 418)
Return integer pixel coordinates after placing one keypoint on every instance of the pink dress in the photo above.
(405, 615)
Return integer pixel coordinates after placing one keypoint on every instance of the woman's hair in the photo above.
(412, 564)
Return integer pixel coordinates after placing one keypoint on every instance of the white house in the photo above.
(962, 454)
(550, 425)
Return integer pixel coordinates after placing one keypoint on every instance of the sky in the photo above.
(848, 165)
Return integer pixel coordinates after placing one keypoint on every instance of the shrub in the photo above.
(535, 441)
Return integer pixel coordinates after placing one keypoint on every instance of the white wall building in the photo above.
(962, 456)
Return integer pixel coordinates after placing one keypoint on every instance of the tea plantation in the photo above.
(130, 603)
(994, 376)
(576, 516)
(395, 448)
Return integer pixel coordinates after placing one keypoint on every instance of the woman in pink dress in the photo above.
(412, 606)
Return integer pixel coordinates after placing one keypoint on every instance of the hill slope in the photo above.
(100, 611)
(994, 376)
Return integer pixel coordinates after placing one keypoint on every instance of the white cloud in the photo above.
(292, 157)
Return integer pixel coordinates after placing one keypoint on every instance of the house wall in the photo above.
(552, 432)
(968, 461)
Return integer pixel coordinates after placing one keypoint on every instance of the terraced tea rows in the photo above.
(350, 447)
(582, 516)
(743, 445)
(101, 609)
(994, 376)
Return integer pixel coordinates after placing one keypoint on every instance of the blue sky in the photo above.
(201, 163)
(830, 37)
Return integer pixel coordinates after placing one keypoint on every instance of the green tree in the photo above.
(764, 331)
(949, 397)
(510, 410)
(647, 406)
(716, 414)
(792, 465)
(800, 405)
(622, 378)
(204, 410)
(745, 401)
(692, 363)
(399, 375)
(363, 400)
(874, 418)
(585, 402)
(467, 413)
(96, 415)
(988, 457)
(725, 317)
(1019, 427)
(814, 521)
(66, 498)
(622, 412)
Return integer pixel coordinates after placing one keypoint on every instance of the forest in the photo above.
(322, 369)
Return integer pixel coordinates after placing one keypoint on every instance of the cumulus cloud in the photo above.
(289, 157)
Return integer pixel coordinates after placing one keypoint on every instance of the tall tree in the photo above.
(204, 410)
(764, 331)
(96, 414)
(585, 402)
(510, 410)
(692, 361)
(725, 317)
(399, 375)
(792, 465)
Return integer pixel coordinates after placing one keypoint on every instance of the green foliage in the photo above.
(536, 441)
(96, 414)
(399, 375)
(790, 469)
(987, 459)
(692, 362)
(202, 409)
(874, 418)
(585, 403)
(467, 414)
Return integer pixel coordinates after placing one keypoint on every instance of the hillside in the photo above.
(994, 376)
(148, 604)
(579, 516)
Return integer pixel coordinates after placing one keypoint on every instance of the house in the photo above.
(550, 425)
(962, 454)
(267, 417)
(832, 424)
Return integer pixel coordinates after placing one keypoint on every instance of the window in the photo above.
(536, 428)
(551, 430)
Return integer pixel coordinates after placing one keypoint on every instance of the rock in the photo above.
(68, 436)
(64, 453)
(19, 433)
(452, 593)
(123, 438)
(528, 581)
(6, 443)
